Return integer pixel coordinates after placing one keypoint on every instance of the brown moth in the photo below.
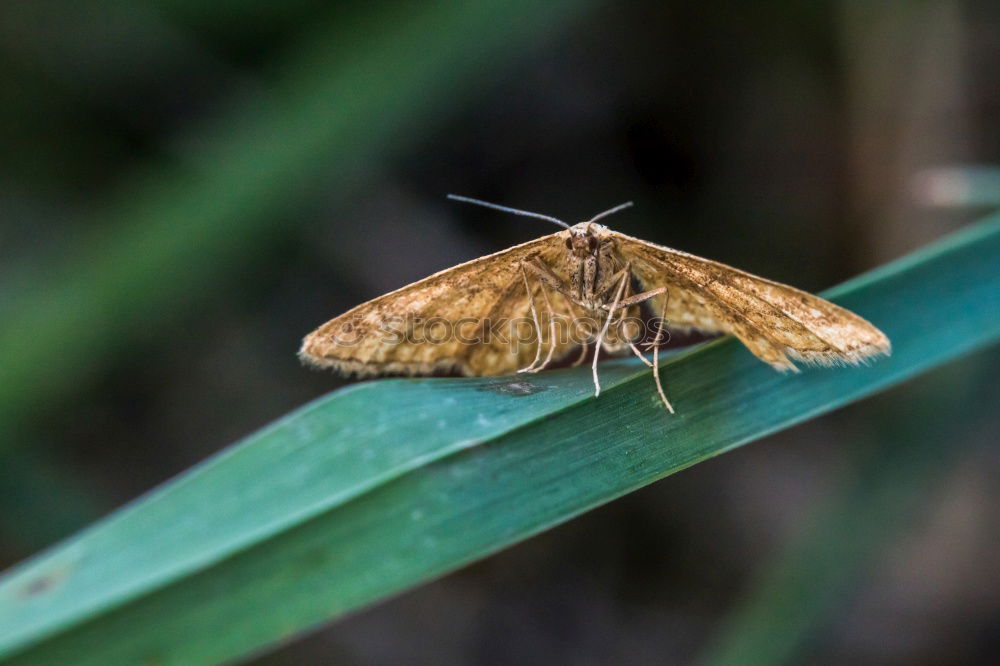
(584, 271)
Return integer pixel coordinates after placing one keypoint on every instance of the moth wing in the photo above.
(445, 322)
(774, 321)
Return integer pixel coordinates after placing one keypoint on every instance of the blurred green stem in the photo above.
(359, 92)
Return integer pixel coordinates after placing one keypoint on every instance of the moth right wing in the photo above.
(437, 324)
(774, 321)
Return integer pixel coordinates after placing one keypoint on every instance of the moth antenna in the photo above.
(515, 211)
(610, 211)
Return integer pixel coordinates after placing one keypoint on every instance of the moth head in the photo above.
(586, 238)
(582, 239)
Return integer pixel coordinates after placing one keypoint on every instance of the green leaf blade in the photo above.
(341, 504)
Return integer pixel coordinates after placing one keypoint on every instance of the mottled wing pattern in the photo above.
(775, 322)
(436, 324)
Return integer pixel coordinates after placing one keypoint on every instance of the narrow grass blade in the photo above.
(371, 490)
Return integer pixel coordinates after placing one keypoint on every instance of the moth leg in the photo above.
(545, 275)
(534, 318)
(583, 355)
(638, 298)
(552, 330)
(535, 367)
(618, 320)
(656, 357)
(604, 331)
(638, 352)
(613, 280)
(624, 309)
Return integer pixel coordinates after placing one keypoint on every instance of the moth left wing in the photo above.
(774, 321)
(438, 323)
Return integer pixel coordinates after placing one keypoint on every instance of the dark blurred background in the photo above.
(188, 187)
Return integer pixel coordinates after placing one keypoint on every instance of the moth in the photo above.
(585, 272)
